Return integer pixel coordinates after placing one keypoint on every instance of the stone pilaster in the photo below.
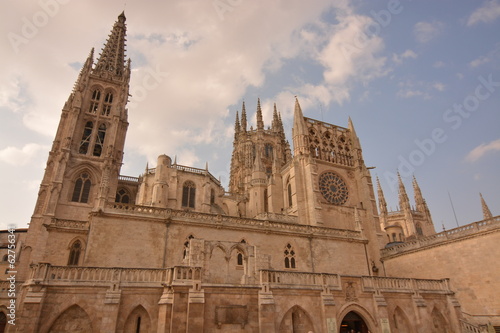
(266, 310)
(196, 309)
(165, 306)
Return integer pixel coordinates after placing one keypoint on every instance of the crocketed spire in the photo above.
(112, 58)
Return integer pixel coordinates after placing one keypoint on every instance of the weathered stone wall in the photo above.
(470, 262)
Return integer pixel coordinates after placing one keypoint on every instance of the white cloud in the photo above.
(426, 31)
(439, 86)
(479, 61)
(439, 64)
(475, 154)
(398, 58)
(11, 97)
(22, 156)
(488, 12)
(491, 56)
(409, 93)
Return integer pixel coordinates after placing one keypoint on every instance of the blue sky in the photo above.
(420, 80)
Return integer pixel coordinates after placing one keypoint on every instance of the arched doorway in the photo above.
(73, 320)
(296, 320)
(353, 323)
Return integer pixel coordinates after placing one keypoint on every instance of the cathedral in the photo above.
(297, 243)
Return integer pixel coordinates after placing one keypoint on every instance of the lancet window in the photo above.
(81, 190)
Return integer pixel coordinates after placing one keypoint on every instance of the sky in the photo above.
(420, 80)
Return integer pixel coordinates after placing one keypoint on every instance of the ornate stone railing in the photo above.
(134, 209)
(219, 220)
(278, 217)
(405, 285)
(68, 224)
(285, 279)
(470, 328)
(183, 275)
(463, 231)
(47, 273)
(128, 178)
(177, 275)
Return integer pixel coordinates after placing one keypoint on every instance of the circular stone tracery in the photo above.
(333, 188)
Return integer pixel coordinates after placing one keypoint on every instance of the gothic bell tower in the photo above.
(256, 162)
(85, 159)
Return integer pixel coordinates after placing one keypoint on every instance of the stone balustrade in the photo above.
(181, 275)
(284, 279)
(404, 285)
(267, 225)
(47, 273)
(470, 328)
(128, 178)
(456, 233)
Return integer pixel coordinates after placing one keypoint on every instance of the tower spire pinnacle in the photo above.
(486, 211)
(236, 125)
(299, 131)
(243, 118)
(404, 202)
(260, 122)
(112, 58)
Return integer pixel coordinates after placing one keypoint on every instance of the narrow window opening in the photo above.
(289, 254)
(240, 259)
(138, 329)
(87, 134)
(188, 194)
(289, 190)
(94, 101)
(74, 253)
(82, 188)
(99, 143)
(122, 196)
(108, 100)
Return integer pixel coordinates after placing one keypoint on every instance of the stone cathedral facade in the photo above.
(294, 245)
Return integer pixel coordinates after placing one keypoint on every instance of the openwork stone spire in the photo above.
(112, 58)
(486, 210)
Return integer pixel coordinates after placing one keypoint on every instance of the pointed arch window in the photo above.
(419, 229)
(94, 101)
(289, 256)
(82, 188)
(239, 259)
(122, 196)
(266, 201)
(87, 134)
(212, 196)
(185, 253)
(289, 192)
(188, 194)
(108, 100)
(99, 141)
(74, 253)
(268, 150)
